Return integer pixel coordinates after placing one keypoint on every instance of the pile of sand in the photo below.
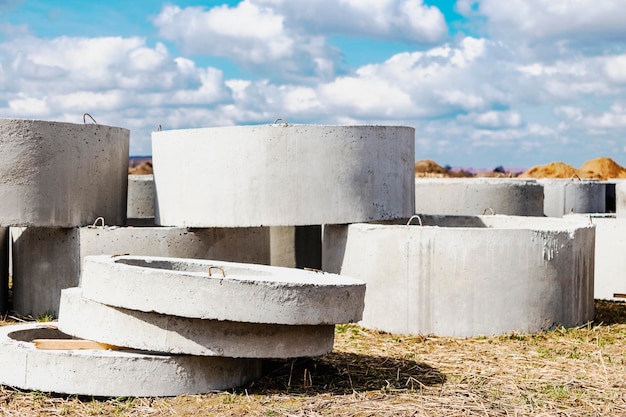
(551, 170)
(144, 168)
(600, 168)
(428, 166)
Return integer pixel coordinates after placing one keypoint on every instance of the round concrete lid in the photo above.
(111, 373)
(223, 290)
(164, 333)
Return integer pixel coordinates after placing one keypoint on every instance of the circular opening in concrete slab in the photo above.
(222, 290)
(29, 335)
(190, 266)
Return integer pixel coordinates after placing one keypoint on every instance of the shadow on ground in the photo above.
(344, 373)
(610, 312)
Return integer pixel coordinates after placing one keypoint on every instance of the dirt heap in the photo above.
(551, 170)
(602, 168)
(428, 166)
(144, 168)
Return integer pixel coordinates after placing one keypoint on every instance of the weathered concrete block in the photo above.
(88, 319)
(140, 209)
(112, 373)
(62, 174)
(283, 175)
(474, 196)
(45, 260)
(564, 196)
(216, 290)
(468, 275)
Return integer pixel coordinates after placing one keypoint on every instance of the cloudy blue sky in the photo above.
(484, 82)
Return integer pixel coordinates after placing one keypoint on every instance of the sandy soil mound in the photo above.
(551, 170)
(602, 168)
(144, 168)
(428, 166)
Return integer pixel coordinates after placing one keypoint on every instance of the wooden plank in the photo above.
(71, 344)
(618, 295)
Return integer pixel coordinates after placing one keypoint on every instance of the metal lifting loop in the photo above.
(159, 128)
(218, 268)
(280, 119)
(575, 176)
(85, 118)
(415, 216)
(99, 219)
(493, 213)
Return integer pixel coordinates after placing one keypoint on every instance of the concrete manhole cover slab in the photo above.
(223, 290)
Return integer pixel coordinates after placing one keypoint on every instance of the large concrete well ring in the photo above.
(112, 373)
(564, 196)
(117, 326)
(62, 174)
(468, 275)
(216, 290)
(140, 208)
(283, 175)
(476, 196)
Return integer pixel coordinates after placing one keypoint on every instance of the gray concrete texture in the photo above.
(217, 290)
(468, 275)
(47, 260)
(475, 196)
(565, 196)
(112, 373)
(88, 319)
(140, 208)
(61, 174)
(620, 199)
(610, 254)
(283, 175)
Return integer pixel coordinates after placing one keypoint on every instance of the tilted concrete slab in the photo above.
(47, 260)
(475, 196)
(62, 174)
(112, 373)
(610, 255)
(164, 333)
(217, 290)
(565, 196)
(140, 208)
(283, 175)
(468, 275)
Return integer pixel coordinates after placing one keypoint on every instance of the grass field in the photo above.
(564, 372)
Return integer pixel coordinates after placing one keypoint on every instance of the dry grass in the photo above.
(565, 372)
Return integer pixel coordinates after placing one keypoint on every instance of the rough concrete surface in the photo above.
(283, 175)
(469, 275)
(140, 207)
(112, 373)
(223, 290)
(56, 174)
(564, 196)
(474, 196)
(163, 333)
